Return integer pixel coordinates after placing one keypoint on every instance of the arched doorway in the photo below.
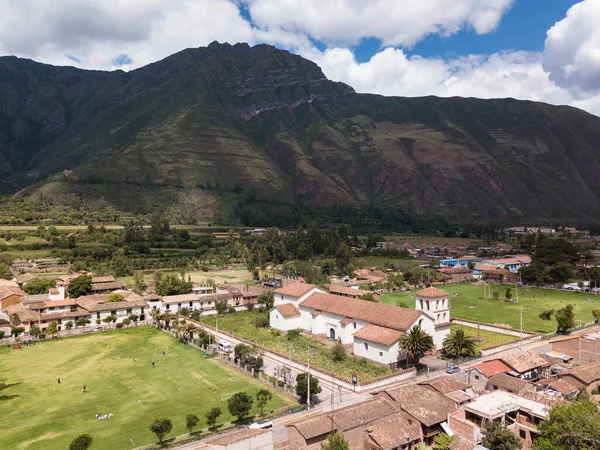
(332, 334)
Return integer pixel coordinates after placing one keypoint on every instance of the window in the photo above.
(97, 315)
(366, 346)
(522, 434)
(191, 304)
(355, 325)
(380, 353)
(129, 311)
(477, 377)
(420, 322)
(178, 305)
(168, 307)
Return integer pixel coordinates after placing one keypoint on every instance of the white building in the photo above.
(99, 309)
(373, 329)
(249, 439)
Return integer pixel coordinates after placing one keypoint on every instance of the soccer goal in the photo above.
(161, 350)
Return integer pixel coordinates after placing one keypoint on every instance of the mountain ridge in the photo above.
(227, 119)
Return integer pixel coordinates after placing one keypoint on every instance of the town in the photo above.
(392, 342)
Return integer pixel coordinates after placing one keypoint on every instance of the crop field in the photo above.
(36, 412)
(467, 302)
(242, 324)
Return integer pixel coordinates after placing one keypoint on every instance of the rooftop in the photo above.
(588, 373)
(295, 289)
(426, 405)
(394, 432)
(497, 403)
(560, 386)
(362, 413)
(380, 335)
(489, 368)
(388, 316)
(444, 385)
(507, 382)
(239, 436)
(336, 289)
(288, 310)
(522, 362)
(431, 292)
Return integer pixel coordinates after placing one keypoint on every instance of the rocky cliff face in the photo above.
(239, 118)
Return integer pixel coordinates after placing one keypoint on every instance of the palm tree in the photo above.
(459, 343)
(156, 317)
(415, 342)
(189, 330)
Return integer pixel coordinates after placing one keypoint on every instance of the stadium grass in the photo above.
(38, 413)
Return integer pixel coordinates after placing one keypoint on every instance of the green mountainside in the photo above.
(210, 129)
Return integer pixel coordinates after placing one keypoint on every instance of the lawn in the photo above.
(470, 304)
(485, 338)
(38, 413)
(242, 325)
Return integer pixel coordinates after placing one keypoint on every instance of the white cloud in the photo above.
(395, 22)
(572, 52)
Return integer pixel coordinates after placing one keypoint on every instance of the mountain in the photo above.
(208, 125)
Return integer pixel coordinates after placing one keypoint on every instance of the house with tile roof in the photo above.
(374, 329)
(583, 376)
(479, 375)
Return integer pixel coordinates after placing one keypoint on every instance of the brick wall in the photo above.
(569, 347)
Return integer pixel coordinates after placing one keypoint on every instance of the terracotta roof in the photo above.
(431, 292)
(380, 335)
(245, 290)
(102, 280)
(53, 291)
(112, 286)
(509, 383)
(26, 277)
(315, 313)
(362, 413)
(8, 291)
(79, 312)
(152, 297)
(183, 298)
(24, 314)
(288, 310)
(588, 373)
(522, 362)
(314, 426)
(559, 385)
(97, 302)
(462, 443)
(37, 298)
(426, 405)
(490, 368)
(388, 316)
(239, 436)
(346, 321)
(54, 303)
(394, 432)
(295, 289)
(335, 289)
(445, 385)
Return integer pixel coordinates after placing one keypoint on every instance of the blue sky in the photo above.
(542, 50)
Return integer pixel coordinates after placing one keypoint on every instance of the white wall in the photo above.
(276, 320)
(440, 334)
(262, 441)
(389, 354)
(280, 299)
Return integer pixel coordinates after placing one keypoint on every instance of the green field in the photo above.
(38, 413)
(485, 338)
(470, 304)
(242, 325)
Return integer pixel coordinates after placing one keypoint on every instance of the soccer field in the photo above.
(36, 412)
(470, 304)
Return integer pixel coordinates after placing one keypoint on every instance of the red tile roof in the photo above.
(490, 368)
(295, 289)
(288, 310)
(374, 313)
(336, 289)
(431, 292)
(380, 335)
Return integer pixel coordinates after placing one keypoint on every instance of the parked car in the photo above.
(265, 424)
(95, 329)
(452, 369)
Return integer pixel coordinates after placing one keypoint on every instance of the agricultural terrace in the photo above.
(244, 325)
(470, 304)
(36, 412)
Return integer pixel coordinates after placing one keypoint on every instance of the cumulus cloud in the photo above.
(395, 22)
(572, 50)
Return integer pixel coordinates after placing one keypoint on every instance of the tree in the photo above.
(565, 319)
(416, 342)
(442, 441)
(161, 427)
(221, 306)
(459, 343)
(559, 273)
(81, 442)
(263, 396)
(39, 286)
(211, 417)
(35, 331)
(294, 334)
(69, 325)
(546, 314)
(110, 319)
(127, 321)
(508, 294)
(82, 322)
(5, 272)
(240, 404)
(190, 422)
(52, 329)
(267, 299)
(185, 312)
(138, 282)
(335, 441)
(498, 437)
(113, 298)
(596, 314)
(16, 331)
(172, 284)
(338, 353)
(571, 426)
(302, 388)
(79, 286)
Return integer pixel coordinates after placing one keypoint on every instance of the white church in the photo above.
(374, 329)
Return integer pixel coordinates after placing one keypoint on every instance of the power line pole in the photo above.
(309, 351)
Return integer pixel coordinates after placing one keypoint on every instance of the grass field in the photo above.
(486, 338)
(470, 304)
(38, 413)
(242, 325)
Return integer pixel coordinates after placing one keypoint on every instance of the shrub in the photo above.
(119, 325)
(231, 310)
(338, 353)
(292, 335)
(261, 322)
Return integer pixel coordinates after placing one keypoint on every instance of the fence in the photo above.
(300, 366)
